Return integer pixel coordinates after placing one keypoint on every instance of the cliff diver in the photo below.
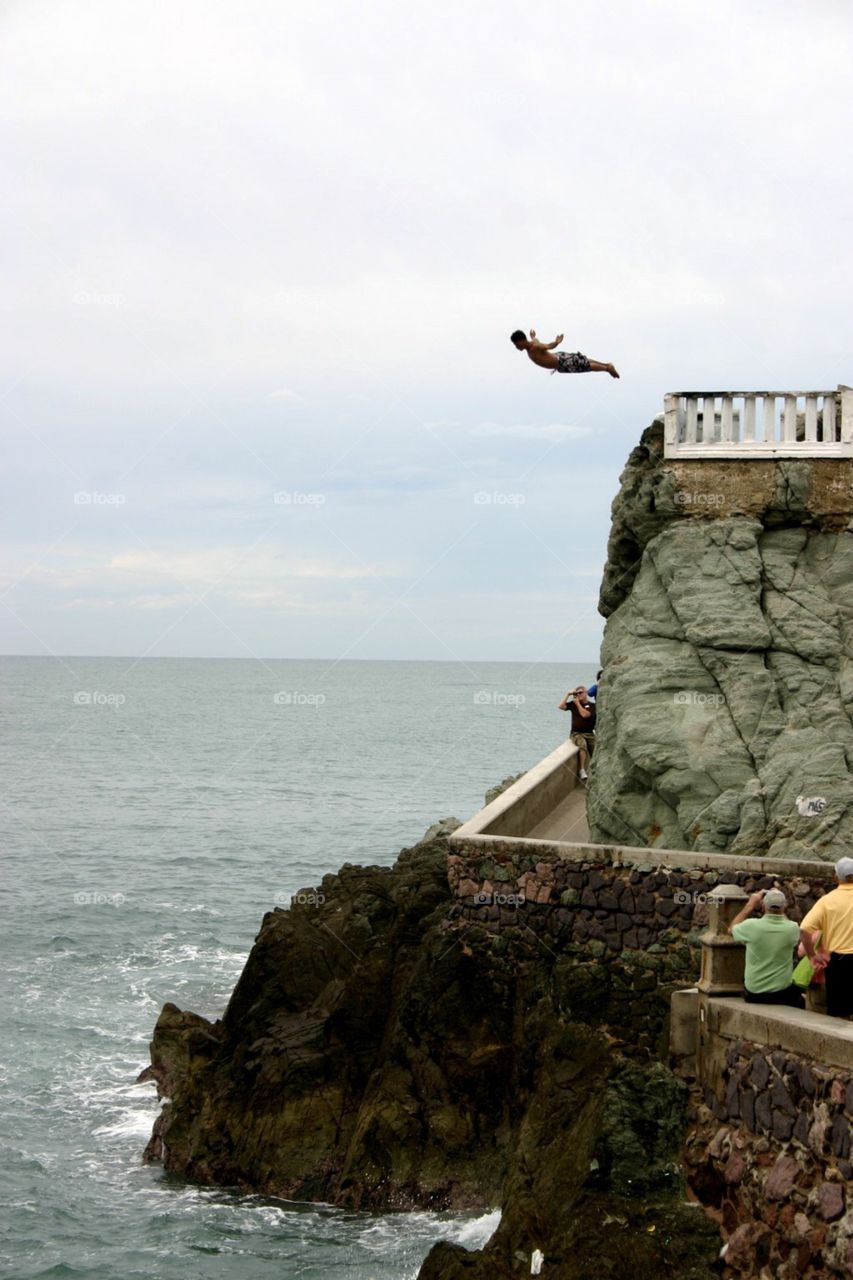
(560, 361)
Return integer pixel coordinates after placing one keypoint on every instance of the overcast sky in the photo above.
(261, 265)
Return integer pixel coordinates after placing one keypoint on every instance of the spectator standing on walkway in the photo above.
(593, 688)
(832, 917)
(770, 941)
(583, 726)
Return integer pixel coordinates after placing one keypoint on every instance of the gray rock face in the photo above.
(724, 714)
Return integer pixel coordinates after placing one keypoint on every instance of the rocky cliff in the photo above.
(382, 1051)
(725, 706)
(390, 1045)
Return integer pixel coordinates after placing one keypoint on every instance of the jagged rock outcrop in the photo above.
(726, 700)
(381, 1051)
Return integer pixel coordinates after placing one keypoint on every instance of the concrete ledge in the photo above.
(812, 1035)
(468, 838)
(529, 800)
(504, 826)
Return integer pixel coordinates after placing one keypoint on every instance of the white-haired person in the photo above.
(832, 918)
(770, 940)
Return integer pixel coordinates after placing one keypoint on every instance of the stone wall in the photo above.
(637, 927)
(768, 1155)
(612, 908)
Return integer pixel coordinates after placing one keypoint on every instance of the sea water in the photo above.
(151, 812)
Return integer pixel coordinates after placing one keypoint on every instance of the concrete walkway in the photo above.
(567, 821)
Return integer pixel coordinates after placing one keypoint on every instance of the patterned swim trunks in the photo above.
(571, 362)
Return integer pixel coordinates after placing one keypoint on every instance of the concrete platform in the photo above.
(567, 821)
(549, 796)
(544, 813)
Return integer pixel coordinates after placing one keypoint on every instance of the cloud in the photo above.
(160, 579)
(202, 492)
(252, 566)
(287, 395)
(555, 432)
(154, 602)
(264, 279)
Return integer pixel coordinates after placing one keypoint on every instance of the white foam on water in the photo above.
(134, 1123)
(474, 1233)
(389, 1231)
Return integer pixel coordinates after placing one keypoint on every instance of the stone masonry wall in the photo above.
(769, 1157)
(613, 908)
(637, 927)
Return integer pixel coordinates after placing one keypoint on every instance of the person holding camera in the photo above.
(582, 710)
(770, 941)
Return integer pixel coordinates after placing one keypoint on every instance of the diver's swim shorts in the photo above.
(571, 362)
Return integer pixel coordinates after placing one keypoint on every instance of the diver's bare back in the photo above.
(542, 353)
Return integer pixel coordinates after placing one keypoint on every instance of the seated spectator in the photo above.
(770, 941)
(583, 726)
(593, 688)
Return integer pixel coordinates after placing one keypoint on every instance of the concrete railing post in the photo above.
(722, 958)
(846, 394)
(670, 419)
(721, 972)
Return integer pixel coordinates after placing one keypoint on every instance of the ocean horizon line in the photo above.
(175, 657)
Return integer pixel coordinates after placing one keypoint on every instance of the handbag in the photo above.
(803, 973)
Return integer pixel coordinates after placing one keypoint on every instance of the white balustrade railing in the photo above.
(759, 424)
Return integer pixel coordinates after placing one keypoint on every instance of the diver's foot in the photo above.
(611, 369)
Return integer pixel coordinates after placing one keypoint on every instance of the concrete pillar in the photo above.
(683, 1032)
(722, 958)
(846, 394)
(670, 424)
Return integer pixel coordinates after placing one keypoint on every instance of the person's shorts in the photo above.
(572, 362)
(839, 984)
(791, 995)
(584, 741)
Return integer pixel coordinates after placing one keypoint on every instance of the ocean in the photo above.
(151, 812)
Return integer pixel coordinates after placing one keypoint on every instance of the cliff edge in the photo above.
(728, 656)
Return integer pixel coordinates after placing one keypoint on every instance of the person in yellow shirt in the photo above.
(832, 917)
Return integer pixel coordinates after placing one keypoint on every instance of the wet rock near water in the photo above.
(379, 1051)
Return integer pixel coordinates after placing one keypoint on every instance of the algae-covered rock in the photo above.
(380, 1052)
(610, 1202)
(727, 692)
